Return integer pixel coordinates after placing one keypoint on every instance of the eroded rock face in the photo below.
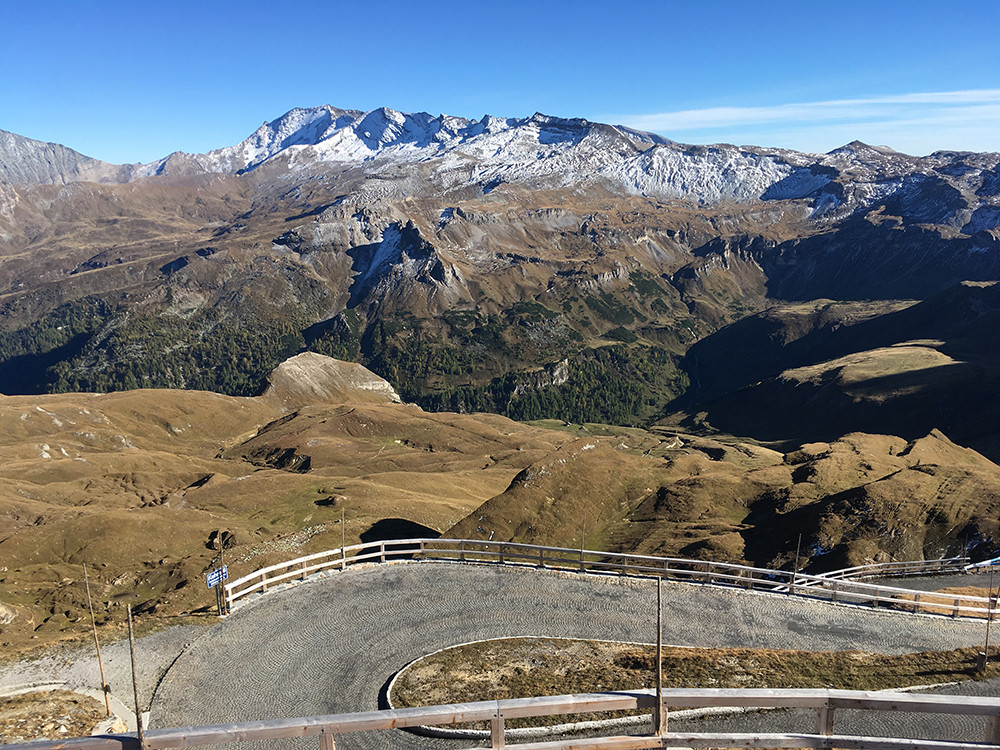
(310, 378)
(25, 161)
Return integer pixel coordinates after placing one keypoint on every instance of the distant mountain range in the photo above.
(954, 188)
(535, 267)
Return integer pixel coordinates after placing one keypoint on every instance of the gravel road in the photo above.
(329, 645)
(75, 668)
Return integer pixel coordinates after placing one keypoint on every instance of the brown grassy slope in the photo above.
(134, 484)
(610, 491)
(860, 499)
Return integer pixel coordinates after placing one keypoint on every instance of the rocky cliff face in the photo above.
(27, 161)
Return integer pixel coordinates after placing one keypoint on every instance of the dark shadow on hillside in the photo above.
(397, 528)
(27, 374)
(957, 399)
(964, 318)
(771, 535)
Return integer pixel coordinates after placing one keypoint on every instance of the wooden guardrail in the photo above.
(900, 569)
(838, 591)
(825, 702)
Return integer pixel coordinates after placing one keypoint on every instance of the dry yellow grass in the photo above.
(53, 714)
(134, 484)
(526, 667)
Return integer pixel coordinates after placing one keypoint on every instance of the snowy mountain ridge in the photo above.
(387, 154)
(539, 151)
(451, 153)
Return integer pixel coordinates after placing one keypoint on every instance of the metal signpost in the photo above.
(213, 579)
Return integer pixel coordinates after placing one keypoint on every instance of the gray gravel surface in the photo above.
(76, 668)
(329, 645)
(934, 583)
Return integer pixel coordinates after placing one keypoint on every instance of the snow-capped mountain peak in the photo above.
(407, 153)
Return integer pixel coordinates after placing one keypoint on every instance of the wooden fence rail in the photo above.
(826, 703)
(835, 590)
(904, 568)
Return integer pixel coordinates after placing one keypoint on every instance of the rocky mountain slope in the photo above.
(26, 161)
(526, 266)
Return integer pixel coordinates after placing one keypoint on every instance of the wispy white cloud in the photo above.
(919, 122)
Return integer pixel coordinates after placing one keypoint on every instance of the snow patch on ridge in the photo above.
(403, 154)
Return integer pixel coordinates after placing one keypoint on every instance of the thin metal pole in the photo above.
(135, 682)
(659, 716)
(343, 538)
(100, 662)
(795, 570)
(221, 587)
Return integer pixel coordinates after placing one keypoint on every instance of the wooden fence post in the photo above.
(263, 581)
(954, 612)
(303, 570)
(916, 603)
(461, 550)
(541, 558)
(497, 737)
(993, 731)
(381, 551)
(875, 600)
(824, 723)
(326, 742)
(500, 551)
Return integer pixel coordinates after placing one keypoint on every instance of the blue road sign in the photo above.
(217, 576)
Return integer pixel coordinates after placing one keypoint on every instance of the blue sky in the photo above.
(133, 81)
